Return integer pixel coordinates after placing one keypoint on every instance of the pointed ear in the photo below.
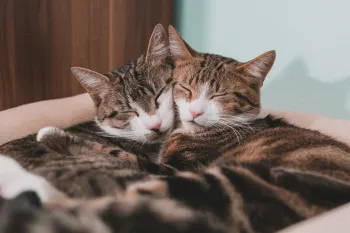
(97, 85)
(258, 68)
(179, 49)
(158, 46)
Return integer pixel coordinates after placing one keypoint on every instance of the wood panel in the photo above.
(41, 39)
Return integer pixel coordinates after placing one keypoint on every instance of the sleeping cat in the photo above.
(218, 101)
(133, 103)
(134, 112)
(232, 187)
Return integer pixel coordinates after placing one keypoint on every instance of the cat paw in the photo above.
(50, 130)
(15, 180)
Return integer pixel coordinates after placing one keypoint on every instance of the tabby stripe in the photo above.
(189, 191)
(242, 97)
(330, 192)
(220, 66)
(169, 80)
(189, 158)
(159, 93)
(254, 192)
(204, 62)
(211, 84)
(142, 91)
(216, 63)
(217, 86)
(231, 146)
(121, 81)
(286, 146)
(200, 73)
(217, 197)
(229, 61)
(191, 79)
(197, 77)
(150, 88)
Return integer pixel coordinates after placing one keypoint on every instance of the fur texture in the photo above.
(134, 113)
(218, 100)
(239, 198)
(222, 169)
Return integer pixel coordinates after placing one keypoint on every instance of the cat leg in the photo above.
(60, 141)
(50, 130)
(14, 180)
(64, 142)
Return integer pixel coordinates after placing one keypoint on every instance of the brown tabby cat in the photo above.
(134, 112)
(218, 100)
(244, 178)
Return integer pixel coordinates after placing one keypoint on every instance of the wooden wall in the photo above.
(41, 39)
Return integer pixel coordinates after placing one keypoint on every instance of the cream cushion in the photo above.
(28, 119)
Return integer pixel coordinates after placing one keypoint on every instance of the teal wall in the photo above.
(311, 38)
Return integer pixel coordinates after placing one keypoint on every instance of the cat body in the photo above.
(268, 141)
(237, 198)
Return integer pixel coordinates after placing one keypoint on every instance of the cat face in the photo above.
(135, 101)
(213, 91)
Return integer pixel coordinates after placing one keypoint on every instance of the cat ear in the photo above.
(179, 49)
(97, 85)
(258, 68)
(158, 46)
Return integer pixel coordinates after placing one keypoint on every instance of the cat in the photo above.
(218, 101)
(134, 102)
(250, 179)
(133, 114)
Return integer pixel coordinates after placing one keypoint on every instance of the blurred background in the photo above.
(41, 39)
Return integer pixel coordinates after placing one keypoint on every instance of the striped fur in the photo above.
(238, 198)
(237, 174)
(234, 133)
(71, 159)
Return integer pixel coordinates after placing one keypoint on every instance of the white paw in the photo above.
(15, 180)
(47, 131)
(8, 164)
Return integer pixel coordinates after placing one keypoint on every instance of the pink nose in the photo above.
(195, 114)
(154, 126)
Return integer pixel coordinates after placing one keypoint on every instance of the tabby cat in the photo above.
(247, 174)
(218, 100)
(134, 112)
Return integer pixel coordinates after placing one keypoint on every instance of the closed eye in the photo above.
(122, 115)
(131, 113)
(157, 97)
(218, 95)
(120, 125)
(112, 114)
(186, 89)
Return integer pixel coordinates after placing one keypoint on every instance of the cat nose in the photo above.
(195, 114)
(155, 126)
